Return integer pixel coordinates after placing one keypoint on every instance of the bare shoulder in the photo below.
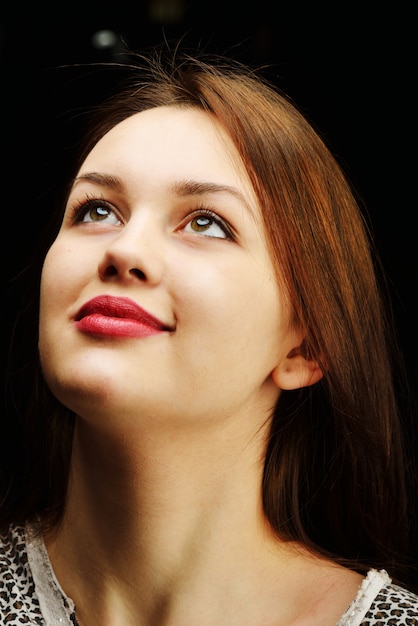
(330, 590)
(350, 599)
(311, 590)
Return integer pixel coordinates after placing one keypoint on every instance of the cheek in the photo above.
(53, 279)
(61, 278)
(232, 308)
(50, 291)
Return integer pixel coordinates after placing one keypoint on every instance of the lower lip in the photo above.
(97, 324)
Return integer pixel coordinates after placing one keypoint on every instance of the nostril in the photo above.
(110, 271)
(138, 273)
(114, 271)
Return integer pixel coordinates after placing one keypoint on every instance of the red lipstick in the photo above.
(117, 317)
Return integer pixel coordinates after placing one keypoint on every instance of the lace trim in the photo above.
(370, 587)
(57, 609)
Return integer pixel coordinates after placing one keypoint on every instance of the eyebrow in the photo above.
(200, 188)
(181, 188)
(105, 180)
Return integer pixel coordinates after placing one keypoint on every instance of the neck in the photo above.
(162, 509)
(167, 530)
(162, 483)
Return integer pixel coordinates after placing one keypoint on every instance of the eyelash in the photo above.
(223, 224)
(80, 208)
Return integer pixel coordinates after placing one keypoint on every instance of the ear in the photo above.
(296, 370)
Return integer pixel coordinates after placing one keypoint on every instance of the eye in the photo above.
(95, 211)
(207, 223)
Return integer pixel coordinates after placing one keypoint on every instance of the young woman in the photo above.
(214, 438)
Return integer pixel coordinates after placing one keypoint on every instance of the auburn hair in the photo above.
(334, 476)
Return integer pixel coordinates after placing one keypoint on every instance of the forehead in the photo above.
(169, 122)
(179, 142)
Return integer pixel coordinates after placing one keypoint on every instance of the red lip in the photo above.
(117, 316)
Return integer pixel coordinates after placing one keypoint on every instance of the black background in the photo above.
(350, 69)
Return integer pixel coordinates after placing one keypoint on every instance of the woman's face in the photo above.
(158, 296)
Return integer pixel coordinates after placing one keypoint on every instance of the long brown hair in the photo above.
(334, 476)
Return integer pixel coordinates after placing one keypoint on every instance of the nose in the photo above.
(135, 254)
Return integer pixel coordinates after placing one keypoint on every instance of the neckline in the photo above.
(58, 609)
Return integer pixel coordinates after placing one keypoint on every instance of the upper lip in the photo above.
(117, 306)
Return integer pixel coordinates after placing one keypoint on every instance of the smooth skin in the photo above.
(164, 523)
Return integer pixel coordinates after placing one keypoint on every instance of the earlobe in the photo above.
(296, 371)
